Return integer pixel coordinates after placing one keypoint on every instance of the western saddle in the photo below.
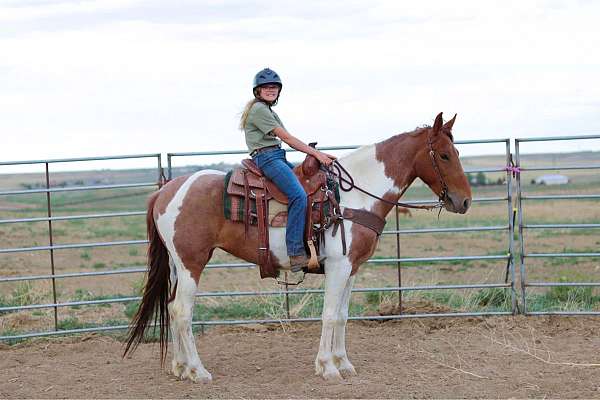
(250, 183)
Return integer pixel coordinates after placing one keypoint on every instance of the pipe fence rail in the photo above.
(523, 227)
(51, 247)
(505, 254)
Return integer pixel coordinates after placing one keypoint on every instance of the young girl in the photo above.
(264, 133)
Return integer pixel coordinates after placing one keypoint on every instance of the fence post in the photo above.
(521, 239)
(511, 228)
(169, 167)
(398, 261)
(49, 212)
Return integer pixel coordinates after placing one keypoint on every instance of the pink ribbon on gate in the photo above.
(513, 169)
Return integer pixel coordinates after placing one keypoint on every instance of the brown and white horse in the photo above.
(185, 224)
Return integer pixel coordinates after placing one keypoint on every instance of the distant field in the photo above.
(371, 275)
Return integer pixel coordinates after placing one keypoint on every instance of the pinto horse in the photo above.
(185, 224)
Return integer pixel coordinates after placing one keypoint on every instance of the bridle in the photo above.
(337, 170)
(443, 196)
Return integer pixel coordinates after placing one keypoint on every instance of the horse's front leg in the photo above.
(339, 333)
(337, 273)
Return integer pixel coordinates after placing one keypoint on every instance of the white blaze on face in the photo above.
(369, 174)
(166, 221)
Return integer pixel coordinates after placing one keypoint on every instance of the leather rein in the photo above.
(442, 198)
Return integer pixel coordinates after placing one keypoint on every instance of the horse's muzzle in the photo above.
(457, 203)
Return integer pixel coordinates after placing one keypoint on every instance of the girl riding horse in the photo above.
(264, 133)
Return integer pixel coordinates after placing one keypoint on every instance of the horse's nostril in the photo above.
(467, 203)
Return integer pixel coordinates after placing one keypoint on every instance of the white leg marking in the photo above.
(337, 272)
(181, 310)
(179, 362)
(340, 356)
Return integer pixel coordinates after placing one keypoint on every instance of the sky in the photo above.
(108, 77)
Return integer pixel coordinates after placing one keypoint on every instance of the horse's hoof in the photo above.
(177, 369)
(332, 376)
(347, 370)
(319, 369)
(199, 375)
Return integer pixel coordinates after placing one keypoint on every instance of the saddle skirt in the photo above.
(250, 179)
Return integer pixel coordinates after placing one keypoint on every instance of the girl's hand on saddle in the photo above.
(324, 158)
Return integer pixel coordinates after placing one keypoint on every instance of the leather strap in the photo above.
(336, 219)
(246, 204)
(365, 218)
(264, 255)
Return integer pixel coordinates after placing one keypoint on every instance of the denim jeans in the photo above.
(275, 167)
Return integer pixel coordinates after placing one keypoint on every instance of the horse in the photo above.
(185, 223)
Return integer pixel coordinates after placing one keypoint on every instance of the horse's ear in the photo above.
(448, 125)
(437, 125)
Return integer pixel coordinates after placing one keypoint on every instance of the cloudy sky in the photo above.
(104, 77)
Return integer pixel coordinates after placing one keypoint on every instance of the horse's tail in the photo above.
(156, 291)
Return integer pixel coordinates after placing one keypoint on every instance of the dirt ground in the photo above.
(458, 358)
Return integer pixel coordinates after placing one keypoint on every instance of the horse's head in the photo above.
(437, 164)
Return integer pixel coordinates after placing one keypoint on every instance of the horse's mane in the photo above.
(418, 130)
(424, 128)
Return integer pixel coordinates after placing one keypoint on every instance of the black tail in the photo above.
(156, 291)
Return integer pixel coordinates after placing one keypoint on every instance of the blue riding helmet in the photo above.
(266, 76)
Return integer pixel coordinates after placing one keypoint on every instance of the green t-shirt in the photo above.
(259, 127)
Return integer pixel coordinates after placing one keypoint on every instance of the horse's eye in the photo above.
(445, 157)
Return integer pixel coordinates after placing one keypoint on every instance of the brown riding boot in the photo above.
(298, 262)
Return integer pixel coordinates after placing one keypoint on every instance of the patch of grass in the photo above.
(131, 308)
(375, 299)
(76, 222)
(115, 322)
(565, 298)
(133, 252)
(11, 332)
(481, 300)
(132, 231)
(496, 298)
(72, 323)
(99, 265)
(85, 295)
(23, 294)
(547, 233)
(236, 309)
(85, 255)
(138, 287)
(59, 232)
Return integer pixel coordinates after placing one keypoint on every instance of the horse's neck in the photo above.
(368, 167)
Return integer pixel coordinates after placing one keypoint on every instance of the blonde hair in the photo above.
(246, 112)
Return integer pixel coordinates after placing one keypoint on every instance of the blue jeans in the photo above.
(275, 167)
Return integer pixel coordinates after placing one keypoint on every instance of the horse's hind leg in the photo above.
(186, 363)
(179, 360)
